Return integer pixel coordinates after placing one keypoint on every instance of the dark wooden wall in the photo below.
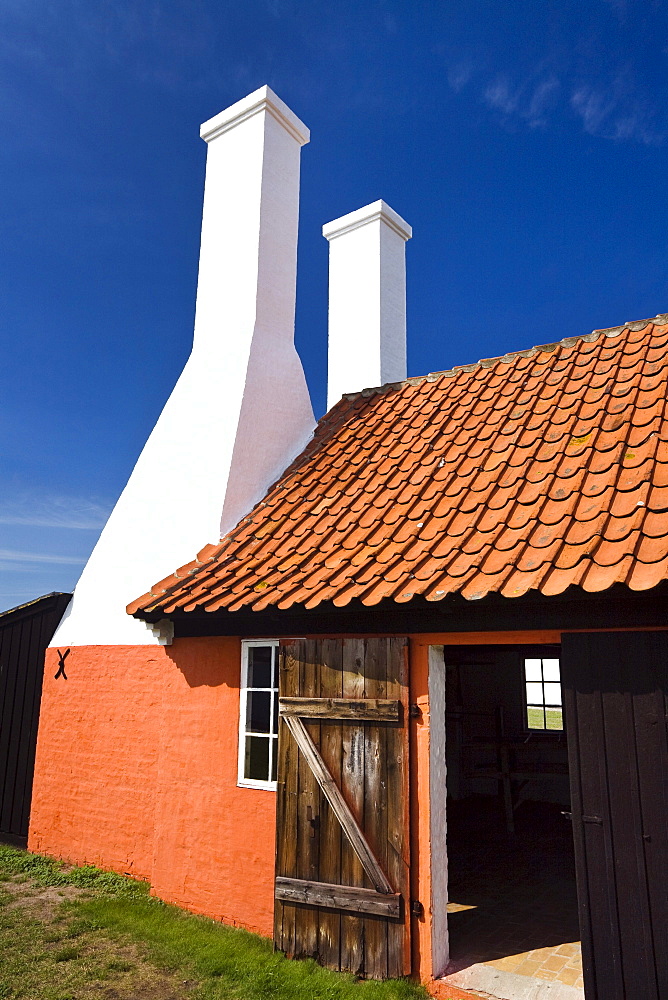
(615, 690)
(25, 632)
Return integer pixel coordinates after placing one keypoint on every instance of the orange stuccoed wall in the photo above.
(136, 771)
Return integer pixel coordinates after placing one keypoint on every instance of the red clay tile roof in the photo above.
(534, 471)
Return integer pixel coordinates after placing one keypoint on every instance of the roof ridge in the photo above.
(528, 352)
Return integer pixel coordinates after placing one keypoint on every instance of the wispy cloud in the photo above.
(611, 105)
(613, 114)
(459, 74)
(543, 99)
(55, 512)
(500, 95)
(17, 556)
(531, 100)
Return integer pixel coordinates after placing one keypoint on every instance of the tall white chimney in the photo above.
(240, 411)
(367, 299)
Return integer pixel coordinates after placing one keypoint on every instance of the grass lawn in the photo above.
(69, 933)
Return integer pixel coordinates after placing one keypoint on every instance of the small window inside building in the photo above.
(258, 722)
(543, 694)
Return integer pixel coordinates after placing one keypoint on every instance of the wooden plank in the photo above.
(308, 833)
(594, 854)
(621, 673)
(340, 807)
(331, 686)
(340, 897)
(33, 665)
(286, 804)
(11, 644)
(650, 715)
(49, 624)
(375, 800)
(352, 786)
(10, 727)
(398, 818)
(574, 724)
(360, 709)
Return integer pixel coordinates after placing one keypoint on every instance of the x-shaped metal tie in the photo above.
(61, 664)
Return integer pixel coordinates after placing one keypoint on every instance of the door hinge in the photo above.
(415, 711)
(417, 909)
(593, 819)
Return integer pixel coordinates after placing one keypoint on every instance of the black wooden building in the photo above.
(25, 632)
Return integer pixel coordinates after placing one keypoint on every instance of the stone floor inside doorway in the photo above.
(512, 915)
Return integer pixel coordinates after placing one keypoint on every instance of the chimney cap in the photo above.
(370, 213)
(263, 99)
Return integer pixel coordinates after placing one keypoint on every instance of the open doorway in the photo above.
(512, 921)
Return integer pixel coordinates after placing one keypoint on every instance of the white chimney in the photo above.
(367, 299)
(240, 411)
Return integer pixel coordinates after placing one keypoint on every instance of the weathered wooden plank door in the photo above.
(342, 843)
(615, 688)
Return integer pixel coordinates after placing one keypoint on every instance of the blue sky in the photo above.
(526, 143)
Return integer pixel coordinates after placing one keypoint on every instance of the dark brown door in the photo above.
(342, 845)
(615, 687)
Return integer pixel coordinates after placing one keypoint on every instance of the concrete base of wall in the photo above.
(495, 983)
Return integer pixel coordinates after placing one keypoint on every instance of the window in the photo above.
(543, 694)
(258, 722)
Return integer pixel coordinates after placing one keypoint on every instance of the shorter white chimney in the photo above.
(367, 299)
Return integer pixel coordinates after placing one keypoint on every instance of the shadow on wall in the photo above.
(207, 661)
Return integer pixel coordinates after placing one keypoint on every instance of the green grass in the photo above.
(553, 718)
(113, 932)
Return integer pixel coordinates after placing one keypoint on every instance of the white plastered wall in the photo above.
(367, 299)
(240, 411)
(440, 945)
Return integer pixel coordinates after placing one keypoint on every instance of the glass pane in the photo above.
(275, 760)
(259, 666)
(551, 670)
(553, 694)
(534, 694)
(554, 718)
(257, 711)
(532, 670)
(535, 717)
(275, 729)
(256, 764)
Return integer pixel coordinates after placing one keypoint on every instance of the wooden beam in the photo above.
(332, 793)
(338, 897)
(360, 710)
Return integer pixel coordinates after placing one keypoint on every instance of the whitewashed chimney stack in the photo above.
(367, 299)
(240, 411)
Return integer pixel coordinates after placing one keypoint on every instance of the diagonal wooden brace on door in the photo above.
(330, 708)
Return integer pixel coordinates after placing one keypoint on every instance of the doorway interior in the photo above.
(511, 896)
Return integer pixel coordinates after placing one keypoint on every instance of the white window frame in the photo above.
(544, 731)
(242, 781)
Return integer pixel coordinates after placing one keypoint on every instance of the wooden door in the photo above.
(615, 686)
(342, 844)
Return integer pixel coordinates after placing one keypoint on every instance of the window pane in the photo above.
(257, 711)
(259, 666)
(532, 670)
(553, 694)
(554, 718)
(275, 760)
(275, 729)
(550, 670)
(257, 758)
(535, 717)
(534, 694)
